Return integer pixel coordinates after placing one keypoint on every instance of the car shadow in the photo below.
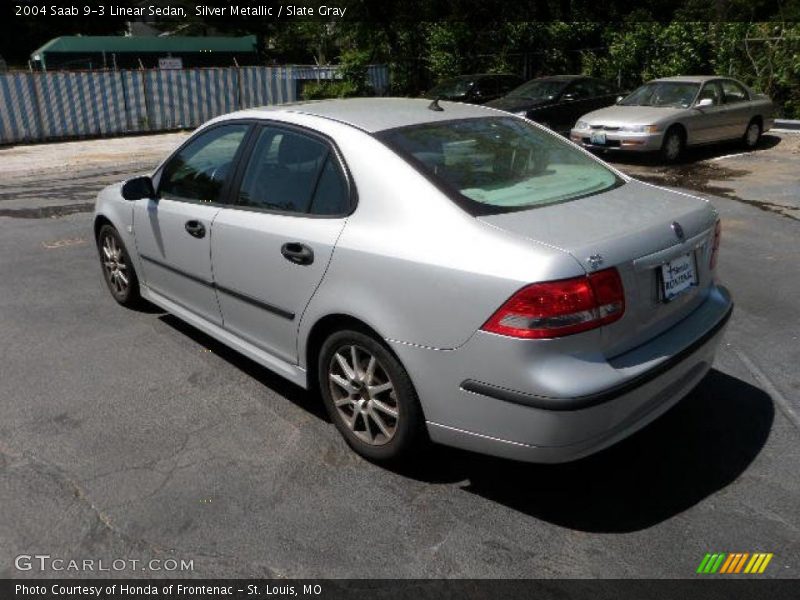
(700, 446)
(691, 155)
(309, 402)
(697, 448)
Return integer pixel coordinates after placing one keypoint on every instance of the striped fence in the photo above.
(47, 106)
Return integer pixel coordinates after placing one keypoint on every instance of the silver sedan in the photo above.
(437, 272)
(667, 115)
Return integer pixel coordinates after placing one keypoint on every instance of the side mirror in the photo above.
(704, 102)
(138, 188)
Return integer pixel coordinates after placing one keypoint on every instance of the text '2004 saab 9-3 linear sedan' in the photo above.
(439, 272)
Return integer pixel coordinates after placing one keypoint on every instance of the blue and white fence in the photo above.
(46, 106)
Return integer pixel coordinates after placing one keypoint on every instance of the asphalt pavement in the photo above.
(130, 435)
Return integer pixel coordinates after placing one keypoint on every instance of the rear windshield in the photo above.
(538, 88)
(502, 164)
(452, 87)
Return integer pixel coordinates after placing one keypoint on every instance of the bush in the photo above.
(329, 88)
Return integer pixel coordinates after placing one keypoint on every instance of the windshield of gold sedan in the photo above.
(501, 164)
(676, 94)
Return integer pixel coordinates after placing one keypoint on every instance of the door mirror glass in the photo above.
(704, 102)
(138, 188)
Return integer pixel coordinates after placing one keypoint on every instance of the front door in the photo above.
(708, 123)
(173, 230)
(270, 249)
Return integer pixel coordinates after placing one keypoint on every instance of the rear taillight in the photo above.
(558, 308)
(712, 263)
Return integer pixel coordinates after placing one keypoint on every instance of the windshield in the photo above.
(452, 87)
(501, 164)
(538, 88)
(677, 94)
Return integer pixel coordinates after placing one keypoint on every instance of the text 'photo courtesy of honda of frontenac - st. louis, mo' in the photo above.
(438, 271)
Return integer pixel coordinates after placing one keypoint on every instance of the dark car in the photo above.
(475, 89)
(559, 101)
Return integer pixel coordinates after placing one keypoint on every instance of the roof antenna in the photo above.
(435, 105)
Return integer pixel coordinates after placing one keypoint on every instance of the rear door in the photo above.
(737, 113)
(271, 247)
(173, 230)
(576, 101)
(602, 94)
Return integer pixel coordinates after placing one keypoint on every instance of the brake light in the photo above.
(558, 308)
(712, 263)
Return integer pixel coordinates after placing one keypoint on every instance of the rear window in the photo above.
(502, 164)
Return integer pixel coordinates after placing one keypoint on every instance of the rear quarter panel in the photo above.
(411, 264)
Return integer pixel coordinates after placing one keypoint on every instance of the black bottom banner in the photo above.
(413, 589)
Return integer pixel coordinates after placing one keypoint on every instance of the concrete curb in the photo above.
(787, 124)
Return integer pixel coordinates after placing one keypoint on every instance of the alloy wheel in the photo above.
(753, 131)
(115, 266)
(673, 146)
(363, 394)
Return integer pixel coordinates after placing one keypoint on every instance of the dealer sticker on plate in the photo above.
(678, 276)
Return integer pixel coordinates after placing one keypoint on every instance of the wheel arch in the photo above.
(322, 329)
(680, 128)
(99, 221)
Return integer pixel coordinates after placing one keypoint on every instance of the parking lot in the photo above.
(132, 435)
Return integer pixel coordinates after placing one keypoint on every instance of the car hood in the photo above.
(511, 104)
(629, 115)
(627, 222)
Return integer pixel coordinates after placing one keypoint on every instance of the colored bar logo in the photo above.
(734, 563)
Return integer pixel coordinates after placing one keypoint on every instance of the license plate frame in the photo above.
(598, 138)
(678, 276)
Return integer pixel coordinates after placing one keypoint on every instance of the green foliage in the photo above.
(329, 88)
(353, 67)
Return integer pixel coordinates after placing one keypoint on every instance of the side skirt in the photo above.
(285, 369)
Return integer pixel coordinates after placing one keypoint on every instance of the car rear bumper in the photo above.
(617, 141)
(501, 416)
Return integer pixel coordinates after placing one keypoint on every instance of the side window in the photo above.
(507, 83)
(601, 88)
(290, 172)
(732, 92)
(199, 171)
(578, 90)
(331, 196)
(710, 90)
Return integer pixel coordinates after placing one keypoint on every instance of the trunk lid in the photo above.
(629, 228)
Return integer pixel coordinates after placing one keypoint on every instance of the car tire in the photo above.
(370, 398)
(672, 146)
(752, 134)
(118, 271)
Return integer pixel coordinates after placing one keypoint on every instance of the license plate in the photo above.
(598, 138)
(678, 276)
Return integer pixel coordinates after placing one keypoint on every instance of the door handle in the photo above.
(195, 229)
(297, 253)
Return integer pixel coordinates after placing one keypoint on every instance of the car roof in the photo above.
(376, 114)
(477, 76)
(691, 78)
(560, 78)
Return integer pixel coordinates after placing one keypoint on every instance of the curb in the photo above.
(787, 124)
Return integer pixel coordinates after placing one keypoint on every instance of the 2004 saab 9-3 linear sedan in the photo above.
(439, 272)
